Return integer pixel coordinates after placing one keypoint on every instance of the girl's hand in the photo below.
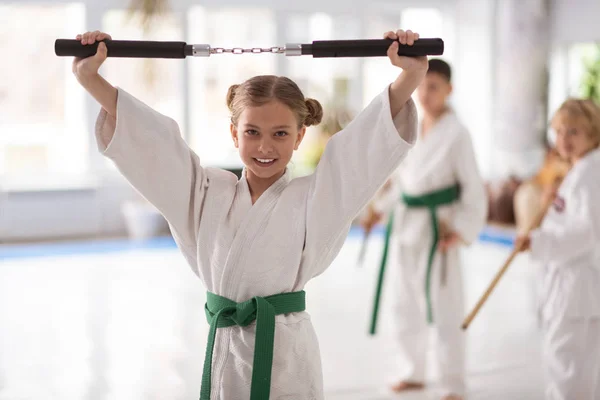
(406, 63)
(84, 68)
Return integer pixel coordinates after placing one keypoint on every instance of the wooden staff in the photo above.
(536, 222)
(363, 247)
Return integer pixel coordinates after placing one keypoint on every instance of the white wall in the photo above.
(63, 212)
(575, 21)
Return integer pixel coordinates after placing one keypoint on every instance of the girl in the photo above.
(257, 241)
(567, 244)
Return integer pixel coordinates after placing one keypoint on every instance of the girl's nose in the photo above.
(265, 146)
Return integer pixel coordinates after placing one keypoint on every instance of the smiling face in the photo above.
(269, 116)
(266, 137)
(576, 126)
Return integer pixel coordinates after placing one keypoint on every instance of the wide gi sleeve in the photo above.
(355, 164)
(148, 150)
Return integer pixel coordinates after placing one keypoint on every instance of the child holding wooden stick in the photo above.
(567, 244)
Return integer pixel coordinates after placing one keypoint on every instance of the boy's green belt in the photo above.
(222, 312)
(430, 201)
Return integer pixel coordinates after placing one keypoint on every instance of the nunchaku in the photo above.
(317, 49)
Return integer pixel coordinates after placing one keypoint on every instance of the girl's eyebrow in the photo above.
(275, 127)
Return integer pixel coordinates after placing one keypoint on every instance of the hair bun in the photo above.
(315, 112)
(231, 95)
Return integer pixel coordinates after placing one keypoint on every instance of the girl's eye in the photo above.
(281, 133)
(571, 132)
(252, 132)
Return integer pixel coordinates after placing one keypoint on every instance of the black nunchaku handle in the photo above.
(318, 49)
(372, 48)
(123, 48)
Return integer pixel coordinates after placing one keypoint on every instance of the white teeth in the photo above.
(265, 160)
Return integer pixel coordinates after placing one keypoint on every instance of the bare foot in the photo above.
(452, 397)
(403, 386)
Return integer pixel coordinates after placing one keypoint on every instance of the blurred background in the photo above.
(96, 302)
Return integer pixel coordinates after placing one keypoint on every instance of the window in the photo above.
(43, 133)
(569, 74)
(581, 60)
(377, 72)
(210, 78)
(334, 82)
(317, 76)
(429, 22)
(156, 82)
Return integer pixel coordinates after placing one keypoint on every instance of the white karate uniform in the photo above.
(567, 245)
(441, 158)
(239, 250)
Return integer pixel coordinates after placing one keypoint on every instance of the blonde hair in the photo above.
(582, 110)
(262, 89)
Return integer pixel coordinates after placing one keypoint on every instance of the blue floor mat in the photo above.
(84, 247)
(488, 235)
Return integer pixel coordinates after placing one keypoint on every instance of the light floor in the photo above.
(96, 323)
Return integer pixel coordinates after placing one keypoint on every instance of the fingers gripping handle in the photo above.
(318, 49)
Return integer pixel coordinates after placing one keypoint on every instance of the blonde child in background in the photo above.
(567, 245)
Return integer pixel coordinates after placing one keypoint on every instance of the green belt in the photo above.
(222, 312)
(430, 201)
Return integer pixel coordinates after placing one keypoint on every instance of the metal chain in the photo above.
(239, 50)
